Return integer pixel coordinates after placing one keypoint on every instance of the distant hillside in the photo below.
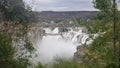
(65, 16)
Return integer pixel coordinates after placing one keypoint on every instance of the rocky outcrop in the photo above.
(35, 34)
(80, 53)
(63, 29)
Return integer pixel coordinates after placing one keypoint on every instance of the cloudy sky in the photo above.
(61, 5)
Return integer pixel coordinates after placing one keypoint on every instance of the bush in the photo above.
(7, 53)
(39, 65)
(63, 63)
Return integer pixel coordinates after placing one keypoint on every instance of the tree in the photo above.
(105, 7)
(16, 11)
(109, 13)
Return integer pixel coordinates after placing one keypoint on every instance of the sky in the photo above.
(61, 5)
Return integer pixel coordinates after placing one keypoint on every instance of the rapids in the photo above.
(59, 44)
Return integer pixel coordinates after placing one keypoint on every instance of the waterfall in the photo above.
(62, 44)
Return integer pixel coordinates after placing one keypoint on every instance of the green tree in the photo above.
(105, 7)
(108, 17)
(17, 11)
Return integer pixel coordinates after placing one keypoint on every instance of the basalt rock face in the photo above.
(35, 34)
(63, 29)
(79, 54)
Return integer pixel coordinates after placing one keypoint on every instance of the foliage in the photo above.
(39, 65)
(16, 11)
(6, 50)
(7, 53)
(101, 52)
(105, 7)
(63, 63)
(8, 36)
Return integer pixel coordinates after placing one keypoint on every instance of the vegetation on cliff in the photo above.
(13, 28)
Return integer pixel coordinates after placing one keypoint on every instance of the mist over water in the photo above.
(52, 47)
(57, 45)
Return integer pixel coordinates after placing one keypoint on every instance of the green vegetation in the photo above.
(39, 65)
(16, 11)
(63, 63)
(7, 53)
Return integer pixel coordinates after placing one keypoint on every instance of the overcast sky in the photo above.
(61, 5)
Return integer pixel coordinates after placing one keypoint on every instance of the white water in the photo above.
(63, 45)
